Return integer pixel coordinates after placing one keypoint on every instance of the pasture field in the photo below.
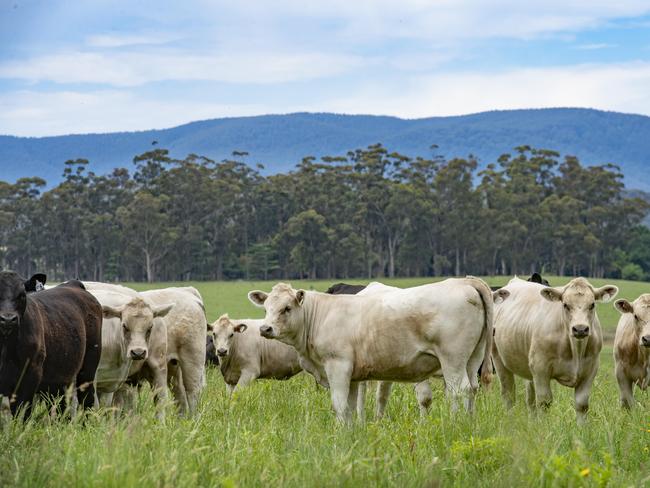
(284, 433)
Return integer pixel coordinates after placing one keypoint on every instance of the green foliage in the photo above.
(373, 213)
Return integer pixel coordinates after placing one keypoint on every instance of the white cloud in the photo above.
(618, 87)
(122, 40)
(137, 67)
(595, 46)
(29, 113)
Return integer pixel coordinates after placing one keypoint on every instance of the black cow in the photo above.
(48, 340)
(344, 289)
(211, 356)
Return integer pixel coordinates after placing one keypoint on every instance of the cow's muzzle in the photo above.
(8, 322)
(580, 331)
(645, 341)
(266, 331)
(138, 354)
(222, 352)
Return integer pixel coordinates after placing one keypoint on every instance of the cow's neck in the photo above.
(224, 363)
(309, 317)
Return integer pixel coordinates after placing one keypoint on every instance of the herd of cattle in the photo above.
(99, 339)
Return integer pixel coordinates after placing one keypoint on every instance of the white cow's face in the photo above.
(283, 311)
(578, 300)
(223, 333)
(137, 321)
(640, 309)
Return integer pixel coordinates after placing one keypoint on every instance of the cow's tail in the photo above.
(485, 293)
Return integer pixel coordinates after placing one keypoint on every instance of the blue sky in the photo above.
(83, 66)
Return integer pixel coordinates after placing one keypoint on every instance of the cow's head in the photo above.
(537, 278)
(640, 310)
(13, 300)
(137, 318)
(283, 310)
(223, 333)
(578, 299)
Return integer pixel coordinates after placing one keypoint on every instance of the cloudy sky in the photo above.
(75, 66)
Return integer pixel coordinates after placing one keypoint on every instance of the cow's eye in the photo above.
(286, 310)
(566, 307)
(231, 334)
(148, 332)
(592, 306)
(124, 327)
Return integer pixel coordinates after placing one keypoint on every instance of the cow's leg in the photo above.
(530, 394)
(506, 378)
(454, 369)
(175, 381)
(543, 393)
(625, 388)
(106, 399)
(230, 388)
(246, 377)
(353, 395)
(425, 396)
(338, 374)
(582, 392)
(192, 364)
(383, 394)
(362, 386)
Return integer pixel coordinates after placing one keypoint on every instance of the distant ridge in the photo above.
(280, 141)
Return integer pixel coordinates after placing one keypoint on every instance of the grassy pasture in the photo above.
(284, 434)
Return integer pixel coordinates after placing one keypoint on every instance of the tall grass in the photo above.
(284, 434)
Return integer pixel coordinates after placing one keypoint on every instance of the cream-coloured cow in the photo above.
(632, 347)
(423, 391)
(244, 355)
(127, 328)
(545, 333)
(186, 327)
(400, 335)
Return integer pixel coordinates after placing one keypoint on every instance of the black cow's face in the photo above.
(13, 302)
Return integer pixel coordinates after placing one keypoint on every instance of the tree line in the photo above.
(369, 213)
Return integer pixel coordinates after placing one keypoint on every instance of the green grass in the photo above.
(284, 434)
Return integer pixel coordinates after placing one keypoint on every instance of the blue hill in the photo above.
(280, 141)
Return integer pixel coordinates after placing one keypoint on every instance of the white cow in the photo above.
(186, 328)
(400, 335)
(423, 391)
(244, 355)
(632, 347)
(543, 334)
(115, 340)
(126, 330)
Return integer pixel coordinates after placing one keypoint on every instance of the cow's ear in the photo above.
(551, 294)
(623, 306)
(162, 310)
(257, 297)
(300, 296)
(240, 328)
(111, 312)
(36, 282)
(500, 295)
(605, 293)
(536, 278)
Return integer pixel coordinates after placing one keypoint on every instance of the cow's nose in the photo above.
(222, 352)
(645, 340)
(266, 330)
(8, 318)
(580, 331)
(138, 353)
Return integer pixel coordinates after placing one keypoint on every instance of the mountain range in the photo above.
(280, 141)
